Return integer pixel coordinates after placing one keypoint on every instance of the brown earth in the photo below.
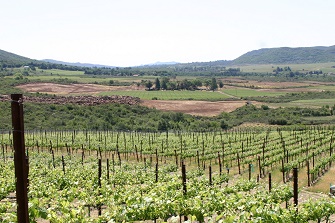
(233, 82)
(201, 108)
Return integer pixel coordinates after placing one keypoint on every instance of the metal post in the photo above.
(21, 171)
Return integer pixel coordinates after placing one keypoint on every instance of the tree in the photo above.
(165, 80)
(213, 85)
(149, 85)
(223, 124)
(157, 84)
(221, 84)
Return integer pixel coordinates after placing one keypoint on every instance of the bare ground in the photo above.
(201, 108)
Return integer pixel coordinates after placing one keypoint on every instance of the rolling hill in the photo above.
(78, 64)
(286, 55)
(282, 55)
(12, 59)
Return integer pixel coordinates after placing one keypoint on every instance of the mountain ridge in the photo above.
(287, 55)
(76, 64)
(279, 55)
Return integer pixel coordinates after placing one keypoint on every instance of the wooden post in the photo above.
(282, 166)
(21, 170)
(220, 166)
(238, 163)
(313, 159)
(3, 152)
(295, 187)
(308, 175)
(82, 157)
(53, 159)
(99, 184)
(249, 171)
(270, 182)
(156, 172)
(63, 163)
(210, 175)
(183, 169)
(198, 159)
(107, 169)
(259, 167)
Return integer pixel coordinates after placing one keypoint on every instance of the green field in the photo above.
(246, 92)
(323, 87)
(268, 68)
(313, 103)
(57, 72)
(172, 95)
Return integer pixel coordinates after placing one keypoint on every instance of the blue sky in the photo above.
(135, 32)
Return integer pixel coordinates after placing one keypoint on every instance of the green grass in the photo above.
(242, 92)
(323, 87)
(313, 103)
(56, 72)
(172, 95)
(325, 67)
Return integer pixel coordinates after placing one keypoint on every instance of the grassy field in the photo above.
(324, 87)
(268, 68)
(57, 72)
(313, 103)
(172, 95)
(246, 92)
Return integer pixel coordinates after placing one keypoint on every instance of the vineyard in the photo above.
(242, 175)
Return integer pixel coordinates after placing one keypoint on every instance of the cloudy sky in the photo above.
(135, 32)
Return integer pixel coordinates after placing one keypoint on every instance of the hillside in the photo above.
(78, 64)
(286, 55)
(13, 59)
(282, 55)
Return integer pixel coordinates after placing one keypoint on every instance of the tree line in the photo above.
(166, 83)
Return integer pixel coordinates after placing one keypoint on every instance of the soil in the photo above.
(268, 84)
(200, 108)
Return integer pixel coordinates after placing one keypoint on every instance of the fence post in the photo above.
(295, 187)
(21, 167)
(183, 170)
(210, 174)
(249, 171)
(270, 182)
(99, 184)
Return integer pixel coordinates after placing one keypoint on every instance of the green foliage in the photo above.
(213, 85)
(286, 55)
(148, 85)
(157, 84)
(265, 107)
